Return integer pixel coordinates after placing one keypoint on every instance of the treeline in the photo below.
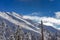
(19, 34)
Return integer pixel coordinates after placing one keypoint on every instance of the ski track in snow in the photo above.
(19, 17)
(10, 19)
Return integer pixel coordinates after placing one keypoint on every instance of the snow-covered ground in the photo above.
(16, 19)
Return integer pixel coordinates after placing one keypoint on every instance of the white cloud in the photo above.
(49, 21)
(57, 14)
(35, 13)
(16, 22)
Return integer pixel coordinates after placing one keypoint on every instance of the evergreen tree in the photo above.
(19, 34)
(56, 36)
(12, 37)
(49, 36)
(28, 35)
(2, 31)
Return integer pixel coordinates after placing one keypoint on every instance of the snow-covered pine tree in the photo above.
(19, 35)
(33, 37)
(11, 37)
(2, 31)
(56, 36)
(49, 36)
(28, 36)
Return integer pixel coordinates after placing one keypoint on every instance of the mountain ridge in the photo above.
(12, 22)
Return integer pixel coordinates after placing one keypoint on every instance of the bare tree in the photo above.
(42, 30)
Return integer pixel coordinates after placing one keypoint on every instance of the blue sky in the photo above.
(44, 7)
(48, 10)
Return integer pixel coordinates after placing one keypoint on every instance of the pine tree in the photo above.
(2, 31)
(12, 37)
(56, 36)
(49, 36)
(28, 36)
(19, 34)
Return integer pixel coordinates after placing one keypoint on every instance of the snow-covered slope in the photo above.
(25, 24)
(19, 20)
(13, 20)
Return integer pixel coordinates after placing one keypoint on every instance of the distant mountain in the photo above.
(12, 20)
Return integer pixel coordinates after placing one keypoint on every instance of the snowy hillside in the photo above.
(13, 20)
